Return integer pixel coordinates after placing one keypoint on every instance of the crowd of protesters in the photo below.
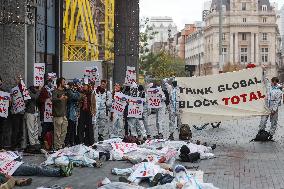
(80, 109)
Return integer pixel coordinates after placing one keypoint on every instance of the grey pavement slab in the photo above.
(239, 163)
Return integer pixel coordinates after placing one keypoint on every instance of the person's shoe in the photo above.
(270, 137)
(104, 156)
(171, 137)
(98, 164)
(24, 182)
(213, 147)
(160, 136)
(156, 179)
(66, 171)
(148, 137)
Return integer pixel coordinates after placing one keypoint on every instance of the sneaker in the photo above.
(66, 171)
(98, 164)
(148, 137)
(156, 179)
(100, 138)
(104, 156)
(270, 137)
(213, 147)
(171, 137)
(160, 136)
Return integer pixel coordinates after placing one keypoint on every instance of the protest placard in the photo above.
(135, 107)
(25, 91)
(119, 103)
(227, 96)
(92, 74)
(48, 118)
(130, 76)
(39, 71)
(4, 104)
(18, 104)
(154, 97)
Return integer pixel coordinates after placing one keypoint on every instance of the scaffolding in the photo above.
(88, 27)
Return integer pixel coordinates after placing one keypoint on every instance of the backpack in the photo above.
(185, 132)
(262, 136)
(192, 157)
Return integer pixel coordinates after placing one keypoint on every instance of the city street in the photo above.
(239, 163)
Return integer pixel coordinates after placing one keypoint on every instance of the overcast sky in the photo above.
(182, 11)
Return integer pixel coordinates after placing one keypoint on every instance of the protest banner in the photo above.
(154, 98)
(119, 103)
(4, 104)
(39, 71)
(9, 155)
(25, 91)
(48, 118)
(18, 104)
(130, 76)
(135, 107)
(222, 97)
(52, 76)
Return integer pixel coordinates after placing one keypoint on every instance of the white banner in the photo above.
(4, 104)
(25, 91)
(130, 76)
(222, 97)
(119, 103)
(18, 104)
(135, 107)
(154, 98)
(9, 166)
(39, 71)
(48, 118)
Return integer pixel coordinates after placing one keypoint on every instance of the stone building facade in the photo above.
(250, 35)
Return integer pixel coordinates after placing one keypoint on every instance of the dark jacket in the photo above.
(32, 104)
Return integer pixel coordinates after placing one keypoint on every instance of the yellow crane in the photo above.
(85, 46)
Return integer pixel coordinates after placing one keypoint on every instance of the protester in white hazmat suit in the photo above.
(103, 100)
(136, 125)
(174, 110)
(117, 127)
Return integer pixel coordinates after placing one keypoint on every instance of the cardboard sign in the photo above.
(52, 76)
(18, 104)
(4, 104)
(9, 166)
(135, 107)
(39, 71)
(119, 103)
(227, 96)
(92, 74)
(154, 98)
(48, 118)
(25, 91)
(130, 76)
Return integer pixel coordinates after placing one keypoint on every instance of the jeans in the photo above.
(71, 133)
(34, 170)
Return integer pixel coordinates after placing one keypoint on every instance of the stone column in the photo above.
(237, 48)
(231, 50)
(252, 47)
(257, 49)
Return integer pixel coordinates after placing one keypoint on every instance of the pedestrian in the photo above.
(85, 128)
(47, 127)
(126, 91)
(136, 125)
(17, 121)
(31, 118)
(174, 110)
(273, 101)
(59, 111)
(117, 127)
(72, 112)
(103, 100)
(3, 120)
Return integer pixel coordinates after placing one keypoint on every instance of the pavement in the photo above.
(239, 163)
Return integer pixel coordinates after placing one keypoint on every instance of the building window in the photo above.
(264, 36)
(224, 54)
(264, 55)
(264, 8)
(244, 19)
(244, 6)
(244, 55)
(244, 36)
(264, 20)
(224, 37)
